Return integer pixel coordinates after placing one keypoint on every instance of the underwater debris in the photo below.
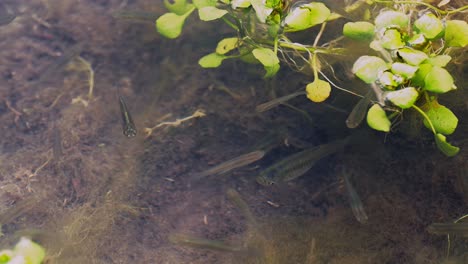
(297, 164)
(129, 129)
(6, 19)
(60, 62)
(227, 166)
(177, 122)
(187, 240)
(79, 64)
(448, 228)
(141, 16)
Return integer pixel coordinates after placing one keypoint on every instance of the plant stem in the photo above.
(426, 117)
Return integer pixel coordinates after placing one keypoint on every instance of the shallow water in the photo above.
(113, 199)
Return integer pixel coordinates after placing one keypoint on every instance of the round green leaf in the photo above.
(359, 30)
(226, 45)
(377, 119)
(446, 148)
(368, 68)
(403, 98)
(204, 3)
(170, 24)
(412, 56)
(261, 10)
(240, 3)
(391, 19)
(438, 80)
(178, 7)
(429, 25)
(266, 56)
(318, 90)
(209, 13)
(442, 118)
(211, 60)
(271, 70)
(306, 15)
(32, 252)
(456, 33)
(420, 75)
(387, 79)
(440, 60)
(391, 39)
(417, 41)
(405, 70)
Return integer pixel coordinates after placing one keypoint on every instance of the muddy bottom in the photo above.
(72, 181)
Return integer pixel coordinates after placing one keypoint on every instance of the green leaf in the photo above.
(32, 252)
(412, 56)
(212, 60)
(359, 30)
(440, 60)
(5, 256)
(442, 118)
(438, 80)
(261, 10)
(178, 7)
(405, 70)
(377, 119)
(209, 13)
(420, 75)
(430, 26)
(204, 3)
(170, 24)
(368, 68)
(392, 39)
(391, 19)
(271, 70)
(446, 148)
(226, 45)
(318, 90)
(403, 98)
(266, 56)
(387, 79)
(306, 16)
(417, 41)
(456, 33)
(240, 3)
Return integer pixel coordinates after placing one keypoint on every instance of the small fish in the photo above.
(231, 164)
(449, 228)
(355, 202)
(192, 241)
(299, 163)
(129, 129)
(136, 15)
(237, 200)
(275, 102)
(359, 111)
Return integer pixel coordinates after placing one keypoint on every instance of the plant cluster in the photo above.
(409, 50)
(24, 252)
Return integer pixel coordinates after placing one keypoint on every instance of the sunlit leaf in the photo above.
(387, 79)
(178, 7)
(170, 24)
(359, 30)
(368, 68)
(403, 98)
(266, 56)
(412, 56)
(420, 75)
(226, 45)
(456, 33)
(417, 41)
(204, 3)
(377, 119)
(211, 60)
(448, 149)
(429, 25)
(209, 13)
(318, 90)
(438, 80)
(32, 252)
(392, 39)
(261, 10)
(391, 19)
(306, 15)
(440, 60)
(403, 69)
(240, 3)
(442, 118)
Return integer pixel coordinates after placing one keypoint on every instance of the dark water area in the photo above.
(74, 183)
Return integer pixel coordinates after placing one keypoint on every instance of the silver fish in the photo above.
(129, 129)
(355, 202)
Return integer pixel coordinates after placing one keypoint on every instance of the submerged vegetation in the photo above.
(409, 46)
